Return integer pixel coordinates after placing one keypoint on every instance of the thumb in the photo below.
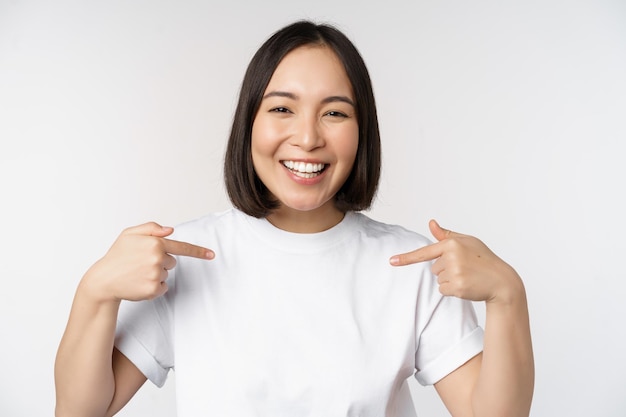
(437, 231)
(150, 229)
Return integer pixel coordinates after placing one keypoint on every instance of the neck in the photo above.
(310, 221)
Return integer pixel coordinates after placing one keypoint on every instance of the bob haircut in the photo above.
(245, 189)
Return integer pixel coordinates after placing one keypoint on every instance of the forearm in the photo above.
(83, 370)
(506, 380)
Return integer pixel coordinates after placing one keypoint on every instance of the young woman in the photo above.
(303, 306)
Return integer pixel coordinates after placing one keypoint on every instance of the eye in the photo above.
(334, 113)
(280, 110)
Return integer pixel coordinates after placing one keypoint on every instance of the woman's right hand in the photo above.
(136, 266)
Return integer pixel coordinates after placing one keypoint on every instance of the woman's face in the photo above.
(305, 134)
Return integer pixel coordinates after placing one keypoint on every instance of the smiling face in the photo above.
(305, 137)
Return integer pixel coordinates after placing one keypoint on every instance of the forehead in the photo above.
(311, 68)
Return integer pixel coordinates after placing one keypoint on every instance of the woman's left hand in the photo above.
(465, 267)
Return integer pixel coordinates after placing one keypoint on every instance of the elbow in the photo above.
(66, 409)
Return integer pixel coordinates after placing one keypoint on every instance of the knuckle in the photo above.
(444, 289)
(156, 269)
(461, 286)
(185, 249)
(454, 243)
(155, 244)
(155, 260)
(195, 251)
(127, 230)
(153, 290)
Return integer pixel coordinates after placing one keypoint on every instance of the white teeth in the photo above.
(306, 174)
(304, 167)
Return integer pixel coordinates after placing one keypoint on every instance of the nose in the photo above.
(308, 134)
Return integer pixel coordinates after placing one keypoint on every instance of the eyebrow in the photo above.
(333, 99)
(330, 99)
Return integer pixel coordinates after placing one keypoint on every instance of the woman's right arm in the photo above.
(92, 378)
(86, 384)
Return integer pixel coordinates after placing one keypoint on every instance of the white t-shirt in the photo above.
(288, 324)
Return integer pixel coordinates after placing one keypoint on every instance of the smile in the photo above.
(304, 169)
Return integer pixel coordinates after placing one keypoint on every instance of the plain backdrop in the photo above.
(506, 120)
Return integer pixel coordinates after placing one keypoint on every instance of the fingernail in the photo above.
(395, 260)
(209, 254)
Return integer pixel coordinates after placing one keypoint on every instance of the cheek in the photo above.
(347, 147)
(265, 136)
(259, 140)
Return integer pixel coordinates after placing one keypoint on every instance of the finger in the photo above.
(176, 247)
(437, 231)
(426, 253)
(159, 291)
(169, 262)
(440, 233)
(163, 275)
(150, 229)
(438, 267)
(445, 288)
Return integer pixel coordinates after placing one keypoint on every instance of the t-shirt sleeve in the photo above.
(144, 335)
(450, 338)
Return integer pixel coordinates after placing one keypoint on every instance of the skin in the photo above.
(500, 381)
(91, 377)
(306, 115)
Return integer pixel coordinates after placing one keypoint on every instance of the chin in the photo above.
(304, 206)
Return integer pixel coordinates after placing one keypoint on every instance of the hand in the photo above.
(465, 267)
(136, 266)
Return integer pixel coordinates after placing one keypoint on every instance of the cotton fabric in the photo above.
(288, 324)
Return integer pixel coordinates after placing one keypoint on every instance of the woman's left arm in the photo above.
(500, 381)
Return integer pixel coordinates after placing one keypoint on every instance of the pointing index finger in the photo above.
(176, 247)
(423, 254)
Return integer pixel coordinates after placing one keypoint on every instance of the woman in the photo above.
(302, 306)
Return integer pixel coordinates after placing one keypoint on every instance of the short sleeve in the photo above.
(451, 338)
(144, 335)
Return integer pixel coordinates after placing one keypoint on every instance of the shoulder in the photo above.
(208, 220)
(223, 223)
(389, 234)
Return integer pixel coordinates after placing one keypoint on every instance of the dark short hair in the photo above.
(245, 189)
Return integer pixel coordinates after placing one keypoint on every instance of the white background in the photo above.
(506, 120)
